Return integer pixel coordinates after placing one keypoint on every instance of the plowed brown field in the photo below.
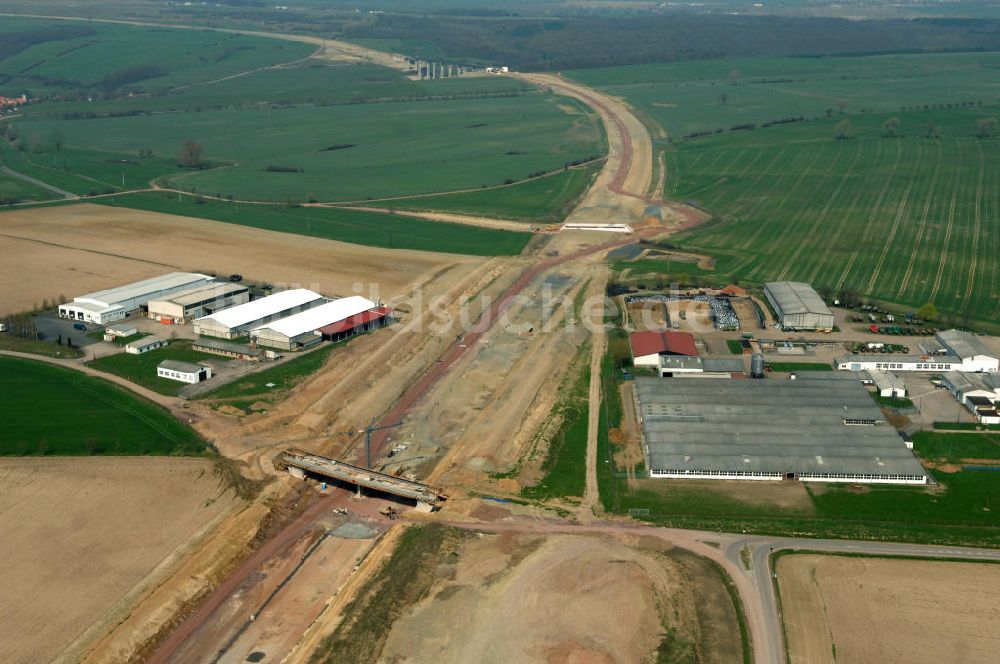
(84, 538)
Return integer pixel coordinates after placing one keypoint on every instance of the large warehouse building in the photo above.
(238, 321)
(303, 329)
(808, 430)
(798, 306)
(185, 306)
(114, 304)
(897, 362)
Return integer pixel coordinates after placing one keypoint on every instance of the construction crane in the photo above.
(368, 437)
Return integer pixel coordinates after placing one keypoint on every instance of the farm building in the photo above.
(798, 306)
(184, 372)
(112, 332)
(975, 356)
(649, 345)
(888, 384)
(186, 305)
(685, 366)
(239, 320)
(303, 329)
(813, 431)
(894, 362)
(363, 322)
(979, 392)
(235, 351)
(144, 345)
(116, 304)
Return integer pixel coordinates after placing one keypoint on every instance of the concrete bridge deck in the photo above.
(424, 494)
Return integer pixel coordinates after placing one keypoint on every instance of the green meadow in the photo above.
(905, 220)
(896, 215)
(48, 410)
(677, 99)
(542, 200)
(373, 229)
(348, 153)
(83, 59)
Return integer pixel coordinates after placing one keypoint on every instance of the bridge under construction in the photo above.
(298, 463)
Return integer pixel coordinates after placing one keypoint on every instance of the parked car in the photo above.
(80, 326)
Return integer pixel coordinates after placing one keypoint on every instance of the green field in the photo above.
(312, 83)
(86, 172)
(51, 410)
(88, 58)
(276, 125)
(373, 229)
(685, 97)
(14, 190)
(141, 369)
(347, 153)
(545, 200)
(905, 220)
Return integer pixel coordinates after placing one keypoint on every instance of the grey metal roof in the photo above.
(884, 380)
(964, 381)
(140, 289)
(963, 344)
(768, 426)
(724, 365)
(145, 341)
(795, 297)
(178, 365)
(837, 375)
(211, 290)
(679, 362)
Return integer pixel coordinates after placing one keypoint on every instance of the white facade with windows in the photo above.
(184, 372)
(893, 362)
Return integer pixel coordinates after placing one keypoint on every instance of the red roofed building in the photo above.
(649, 345)
(363, 322)
(733, 290)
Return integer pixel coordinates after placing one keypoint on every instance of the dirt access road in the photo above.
(620, 192)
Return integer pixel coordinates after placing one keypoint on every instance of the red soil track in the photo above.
(462, 346)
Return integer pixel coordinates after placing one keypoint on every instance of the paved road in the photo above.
(761, 548)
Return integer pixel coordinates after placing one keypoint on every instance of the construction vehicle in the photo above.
(388, 511)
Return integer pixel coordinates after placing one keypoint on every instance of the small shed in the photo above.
(184, 372)
(144, 345)
(888, 384)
